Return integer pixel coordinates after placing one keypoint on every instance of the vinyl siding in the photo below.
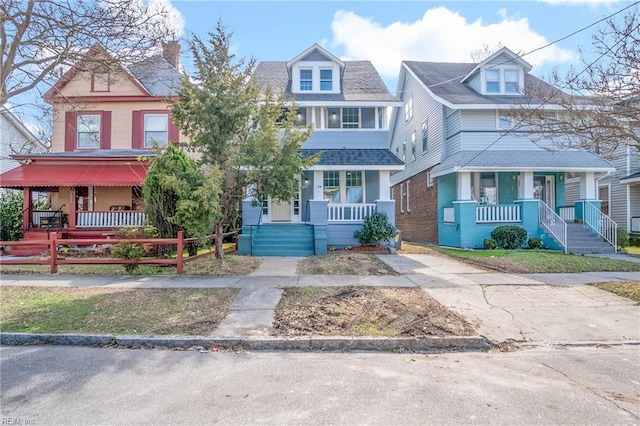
(424, 108)
(474, 82)
(354, 138)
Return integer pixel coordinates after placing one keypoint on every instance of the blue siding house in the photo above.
(347, 105)
(469, 169)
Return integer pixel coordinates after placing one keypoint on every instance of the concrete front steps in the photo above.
(285, 239)
(581, 240)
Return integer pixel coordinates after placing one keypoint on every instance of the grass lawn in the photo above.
(208, 265)
(628, 289)
(526, 261)
(194, 312)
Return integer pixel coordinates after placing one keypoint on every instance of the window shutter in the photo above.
(105, 130)
(174, 132)
(70, 128)
(136, 130)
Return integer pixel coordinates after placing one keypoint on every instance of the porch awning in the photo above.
(634, 178)
(354, 159)
(48, 175)
(523, 161)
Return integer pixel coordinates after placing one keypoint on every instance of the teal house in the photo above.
(469, 168)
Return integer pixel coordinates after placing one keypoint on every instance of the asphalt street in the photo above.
(56, 385)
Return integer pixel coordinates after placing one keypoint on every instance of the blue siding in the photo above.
(355, 139)
(372, 185)
(341, 234)
(316, 56)
(448, 234)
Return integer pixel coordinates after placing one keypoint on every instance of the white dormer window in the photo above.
(503, 81)
(326, 79)
(492, 78)
(306, 80)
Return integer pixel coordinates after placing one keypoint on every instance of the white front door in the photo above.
(280, 211)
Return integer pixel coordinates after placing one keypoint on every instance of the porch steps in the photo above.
(581, 240)
(286, 239)
(30, 250)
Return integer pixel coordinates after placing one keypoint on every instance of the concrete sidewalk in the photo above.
(540, 308)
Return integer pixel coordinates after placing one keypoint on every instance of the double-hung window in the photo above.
(492, 80)
(350, 118)
(354, 186)
(88, 131)
(156, 130)
(511, 81)
(331, 184)
(408, 109)
(413, 146)
(424, 136)
(326, 79)
(306, 80)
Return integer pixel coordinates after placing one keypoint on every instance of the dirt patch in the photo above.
(344, 263)
(628, 289)
(365, 311)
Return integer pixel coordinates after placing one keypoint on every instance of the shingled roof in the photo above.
(360, 82)
(353, 157)
(443, 80)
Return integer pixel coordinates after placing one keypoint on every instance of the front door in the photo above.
(280, 211)
(544, 189)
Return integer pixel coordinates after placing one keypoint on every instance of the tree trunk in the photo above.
(218, 240)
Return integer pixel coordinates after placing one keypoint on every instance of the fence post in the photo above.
(180, 251)
(53, 251)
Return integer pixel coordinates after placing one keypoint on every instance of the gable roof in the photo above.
(514, 59)
(444, 81)
(323, 52)
(360, 82)
(154, 76)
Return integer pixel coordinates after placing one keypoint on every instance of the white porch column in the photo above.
(318, 185)
(588, 187)
(313, 118)
(525, 192)
(321, 119)
(384, 181)
(464, 186)
(376, 118)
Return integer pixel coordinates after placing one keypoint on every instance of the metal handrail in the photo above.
(60, 225)
(553, 223)
(600, 223)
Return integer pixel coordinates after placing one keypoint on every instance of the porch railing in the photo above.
(111, 219)
(499, 213)
(349, 212)
(600, 223)
(567, 213)
(553, 223)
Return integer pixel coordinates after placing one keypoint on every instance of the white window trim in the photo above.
(424, 136)
(144, 128)
(401, 197)
(332, 79)
(315, 67)
(408, 197)
(79, 118)
(342, 177)
(299, 84)
(408, 109)
(429, 180)
(498, 126)
(501, 80)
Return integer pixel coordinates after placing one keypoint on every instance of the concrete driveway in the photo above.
(537, 308)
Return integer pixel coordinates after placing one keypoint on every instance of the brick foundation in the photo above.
(420, 224)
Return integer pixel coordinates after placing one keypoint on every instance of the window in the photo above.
(88, 128)
(354, 187)
(301, 117)
(429, 180)
(326, 79)
(156, 130)
(413, 146)
(487, 188)
(424, 136)
(408, 109)
(408, 199)
(404, 151)
(350, 118)
(492, 79)
(306, 79)
(331, 183)
(100, 81)
(511, 81)
(504, 122)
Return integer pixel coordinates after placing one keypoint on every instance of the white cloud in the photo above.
(579, 2)
(440, 36)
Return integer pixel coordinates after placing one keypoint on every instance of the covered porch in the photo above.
(94, 195)
(474, 199)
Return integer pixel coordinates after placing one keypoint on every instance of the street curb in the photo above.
(434, 344)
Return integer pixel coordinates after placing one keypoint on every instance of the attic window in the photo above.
(511, 81)
(493, 81)
(306, 79)
(502, 80)
(100, 81)
(326, 79)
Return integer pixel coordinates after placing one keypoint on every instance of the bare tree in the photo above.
(597, 106)
(39, 38)
(479, 55)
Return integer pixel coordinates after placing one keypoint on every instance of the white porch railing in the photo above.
(553, 223)
(112, 219)
(567, 213)
(349, 212)
(498, 213)
(602, 224)
(38, 215)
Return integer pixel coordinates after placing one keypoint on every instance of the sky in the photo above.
(387, 32)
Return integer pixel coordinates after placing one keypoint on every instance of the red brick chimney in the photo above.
(171, 52)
